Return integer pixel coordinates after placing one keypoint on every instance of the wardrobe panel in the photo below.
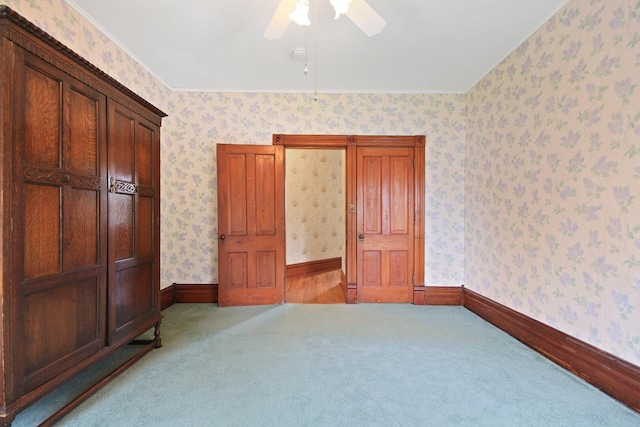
(81, 229)
(144, 155)
(59, 321)
(83, 140)
(122, 145)
(121, 206)
(42, 131)
(42, 230)
(144, 228)
(134, 296)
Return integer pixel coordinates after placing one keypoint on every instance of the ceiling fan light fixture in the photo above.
(301, 13)
(341, 6)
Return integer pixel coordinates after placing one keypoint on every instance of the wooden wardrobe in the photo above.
(80, 214)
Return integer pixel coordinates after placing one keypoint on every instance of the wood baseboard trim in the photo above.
(418, 295)
(352, 293)
(614, 376)
(318, 266)
(443, 295)
(197, 293)
(167, 296)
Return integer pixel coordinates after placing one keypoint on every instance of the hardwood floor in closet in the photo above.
(317, 288)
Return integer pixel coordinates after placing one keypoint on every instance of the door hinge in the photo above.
(414, 162)
(413, 279)
(12, 224)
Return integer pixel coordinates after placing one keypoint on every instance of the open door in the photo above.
(385, 224)
(251, 225)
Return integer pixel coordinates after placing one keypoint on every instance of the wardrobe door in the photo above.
(133, 222)
(59, 211)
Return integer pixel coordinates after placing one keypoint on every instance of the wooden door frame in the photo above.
(350, 143)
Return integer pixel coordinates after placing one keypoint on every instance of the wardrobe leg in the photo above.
(156, 335)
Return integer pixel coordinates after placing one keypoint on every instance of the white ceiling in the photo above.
(214, 45)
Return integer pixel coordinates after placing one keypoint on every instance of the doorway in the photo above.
(249, 271)
(315, 221)
(411, 277)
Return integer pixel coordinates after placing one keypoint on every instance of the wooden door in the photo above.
(251, 255)
(133, 222)
(385, 248)
(59, 210)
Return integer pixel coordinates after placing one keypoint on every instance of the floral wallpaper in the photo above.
(553, 177)
(315, 205)
(532, 177)
(200, 120)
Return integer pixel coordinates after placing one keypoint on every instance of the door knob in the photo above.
(223, 238)
(361, 237)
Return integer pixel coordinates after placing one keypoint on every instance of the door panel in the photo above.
(251, 225)
(385, 220)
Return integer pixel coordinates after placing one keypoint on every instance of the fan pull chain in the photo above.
(306, 66)
(315, 51)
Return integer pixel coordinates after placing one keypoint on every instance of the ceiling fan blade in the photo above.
(365, 17)
(280, 21)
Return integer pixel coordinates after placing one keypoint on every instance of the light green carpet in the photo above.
(342, 365)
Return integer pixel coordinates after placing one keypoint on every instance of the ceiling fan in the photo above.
(359, 11)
